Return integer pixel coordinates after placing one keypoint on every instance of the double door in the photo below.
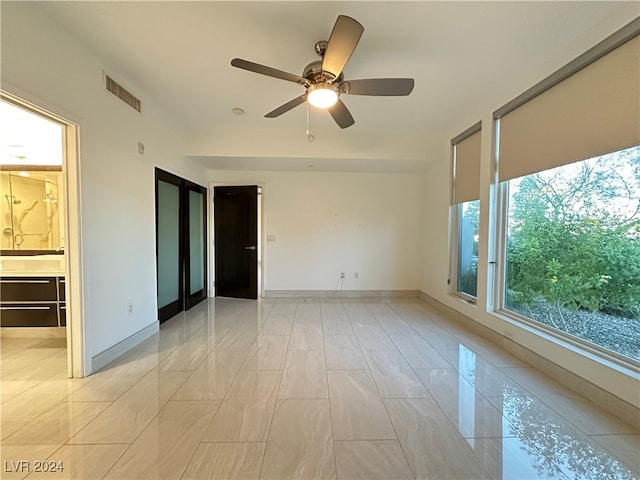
(181, 239)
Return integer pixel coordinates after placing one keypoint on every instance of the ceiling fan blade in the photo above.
(341, 114)
(264, 70)
(378, 86)
(287, 106)
(342, 42)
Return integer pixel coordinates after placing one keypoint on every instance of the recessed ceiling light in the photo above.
(238, 111)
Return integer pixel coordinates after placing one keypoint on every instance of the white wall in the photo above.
(325, 223)
(44, 65)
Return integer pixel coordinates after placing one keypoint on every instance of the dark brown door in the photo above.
(181, 239)
(236, 241)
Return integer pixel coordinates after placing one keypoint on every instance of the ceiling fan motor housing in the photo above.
(314, 74)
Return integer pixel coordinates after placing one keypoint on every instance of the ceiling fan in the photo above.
(323, 79)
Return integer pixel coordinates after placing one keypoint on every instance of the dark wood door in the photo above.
(181, 239)
(236, 241)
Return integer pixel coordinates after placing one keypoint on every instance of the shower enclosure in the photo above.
(30, 211)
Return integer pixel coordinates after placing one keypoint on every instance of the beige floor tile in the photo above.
(277, 325)
(165, 447)
(105, 386)
(437, 337)
(300, 444)
(308, 312)
(304, 375)
(585, 415)
(246, 412)
(58, 424)
(267, 353)
(123, 421)
(471, 414)
(625, 448)
(241, 421)
(549, 432)
(358, 313)
(514, 459)
(393, 375)
(226, 461)
(254, 385)
(332, 307)
(190, 354)
(418, 353)
(372, 337)
(343, 352)
(11, 424)
(336, 324)
(371, 459)
(82, 462)
(434, 449)
(390, 321)
(306, 336)
(239, 338)
(517, 422)
(357, 411)
(29, 405)
(212, 379)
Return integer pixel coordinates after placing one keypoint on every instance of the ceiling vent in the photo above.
(123, 94)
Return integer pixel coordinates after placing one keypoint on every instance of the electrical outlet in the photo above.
(130, 307)
(341, 274)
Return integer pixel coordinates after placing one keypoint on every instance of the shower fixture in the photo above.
(12, 199)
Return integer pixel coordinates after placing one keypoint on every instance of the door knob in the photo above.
(252, 247)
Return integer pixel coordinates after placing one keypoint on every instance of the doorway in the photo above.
(181, 239)
(237, 249)
(41, 257)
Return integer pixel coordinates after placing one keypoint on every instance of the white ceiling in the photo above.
(467, 58)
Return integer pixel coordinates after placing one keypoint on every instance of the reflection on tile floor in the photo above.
(304, 388)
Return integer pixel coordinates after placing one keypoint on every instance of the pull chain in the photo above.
(310, 137)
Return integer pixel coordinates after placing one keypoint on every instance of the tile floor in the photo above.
(304, 388)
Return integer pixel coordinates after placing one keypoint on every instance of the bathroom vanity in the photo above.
(32, 291)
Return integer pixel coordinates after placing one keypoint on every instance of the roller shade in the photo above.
(594, 111)
(467, 169)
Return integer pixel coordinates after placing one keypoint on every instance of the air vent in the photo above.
(123, 94)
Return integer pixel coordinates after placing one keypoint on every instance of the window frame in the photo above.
(499, 285)
(496, 286)
(455, 216)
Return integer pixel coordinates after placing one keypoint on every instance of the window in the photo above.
(467, 271)
(573, 250)
(466, 211)
(569, 183)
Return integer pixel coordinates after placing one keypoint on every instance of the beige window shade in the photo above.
(467, 169)
(592, 112)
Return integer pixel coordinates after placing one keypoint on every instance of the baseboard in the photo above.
(615, 405)
(341, 293)
(110, 354)
(33, 332)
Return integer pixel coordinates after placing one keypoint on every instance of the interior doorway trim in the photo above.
(76, 352)
(261, 234)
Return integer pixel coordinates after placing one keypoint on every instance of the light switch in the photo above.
(271, 238)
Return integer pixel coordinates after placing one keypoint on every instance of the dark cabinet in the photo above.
(31, 289)
(32, 302)
(29, 314)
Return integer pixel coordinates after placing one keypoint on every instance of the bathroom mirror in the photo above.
(31, 220)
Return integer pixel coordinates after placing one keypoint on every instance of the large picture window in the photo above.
(569, 182)
(573, 250)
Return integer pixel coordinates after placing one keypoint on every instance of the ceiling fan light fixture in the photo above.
(322, 95)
